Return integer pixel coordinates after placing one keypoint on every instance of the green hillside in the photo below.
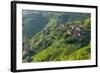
(60, 42)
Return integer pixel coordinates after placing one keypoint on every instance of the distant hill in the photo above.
(35, 21)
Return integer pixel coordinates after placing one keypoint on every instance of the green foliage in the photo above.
(61, 54)
(71, 39)
(60, 42)
(81, 54)
(48, 54)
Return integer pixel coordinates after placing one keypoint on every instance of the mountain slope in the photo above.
(34, 21)
(59, 42)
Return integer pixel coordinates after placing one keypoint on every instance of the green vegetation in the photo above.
(66, 36)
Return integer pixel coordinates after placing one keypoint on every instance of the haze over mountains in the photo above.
(35, 21)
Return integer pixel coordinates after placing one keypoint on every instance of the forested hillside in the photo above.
(56, 36)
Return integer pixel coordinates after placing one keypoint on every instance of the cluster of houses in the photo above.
(74, 30)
